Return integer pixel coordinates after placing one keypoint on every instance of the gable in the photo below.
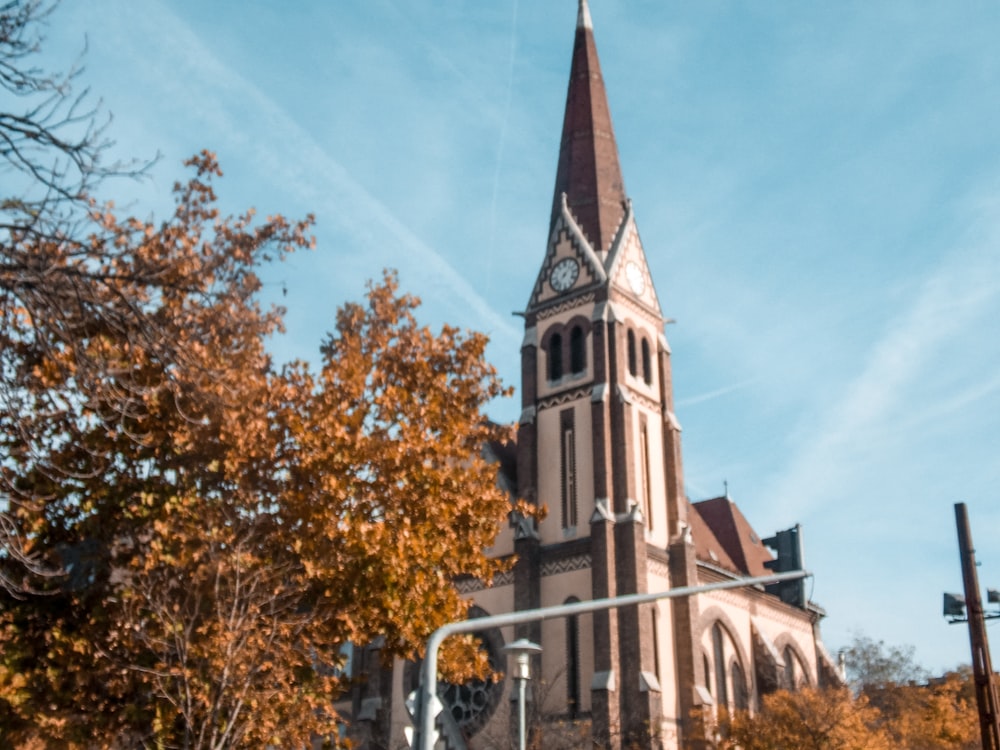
(627, 267)
(567, 245)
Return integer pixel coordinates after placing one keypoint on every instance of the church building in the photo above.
(599, 445)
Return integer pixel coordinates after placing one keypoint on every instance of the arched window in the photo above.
(741, 701)
(573, 663)
(719, 657)
(577, 356)
(555, 357)
(791, 681)
(631, 352)
(708, 673)
(647, 365)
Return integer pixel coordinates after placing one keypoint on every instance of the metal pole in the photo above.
(428, 672)
(522, 650)
(522, 731)
(982, 666)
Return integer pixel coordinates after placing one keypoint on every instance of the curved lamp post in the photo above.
(522, 650)
(428, 672)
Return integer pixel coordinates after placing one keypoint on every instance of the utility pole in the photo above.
(982, 667)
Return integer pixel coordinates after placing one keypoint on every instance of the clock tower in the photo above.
(598, 445)
(598, 442)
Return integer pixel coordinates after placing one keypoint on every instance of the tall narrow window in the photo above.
(654, 616)
(791, 683)
(708, 673)
(573, 663)
(555, 357)
(646, 490)
(647, 364)
(577, 357)
(719, 656)
(741, 700)
(568, 450)
(631, 352)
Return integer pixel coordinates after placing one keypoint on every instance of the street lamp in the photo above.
(522, 650)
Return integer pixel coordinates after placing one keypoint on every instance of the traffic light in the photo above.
(787, 545)
(954, 606)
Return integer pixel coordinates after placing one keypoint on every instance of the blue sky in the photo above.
(817, 186)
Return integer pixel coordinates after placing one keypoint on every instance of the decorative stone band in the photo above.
(472, 585)
(658, 568)
(552, 568)
(566, 565)
(569, 304)
(564, 398)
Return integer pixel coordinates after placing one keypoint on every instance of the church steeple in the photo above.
(588, 172)
(598, 444)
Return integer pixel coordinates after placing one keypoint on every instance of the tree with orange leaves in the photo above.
(808, 719)
(891, 703)
(190, 534)
(212, 529)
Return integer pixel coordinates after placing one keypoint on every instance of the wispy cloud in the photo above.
(712, 395)
(234, 110)
(960, 293)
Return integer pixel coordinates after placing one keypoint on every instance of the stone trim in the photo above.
(472, 585)
(530, 337)
(785, 640)
(553, 553)
(648, 683)
(630, 395)
(566, 565)
(603, 681)
(563, 305)
(563, 398)
(656, 566)
(635, 306)
(601, 512)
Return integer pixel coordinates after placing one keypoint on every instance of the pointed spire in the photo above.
(588, 172)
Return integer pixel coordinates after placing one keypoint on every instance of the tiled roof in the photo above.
(720, 528)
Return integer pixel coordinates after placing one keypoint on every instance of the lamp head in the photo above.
(522, 650)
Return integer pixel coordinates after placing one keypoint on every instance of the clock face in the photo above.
(564, 274)
(635, 277)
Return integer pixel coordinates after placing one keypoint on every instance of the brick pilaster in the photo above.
(641, 704)
(606, 718)
(688, 665)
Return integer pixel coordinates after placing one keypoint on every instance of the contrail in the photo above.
(501, 143)
(226, 99)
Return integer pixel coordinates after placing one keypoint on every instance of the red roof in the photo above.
(719, 527)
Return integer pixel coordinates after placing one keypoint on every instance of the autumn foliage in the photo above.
(809, 720)
(936, 715)
(192, 533)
